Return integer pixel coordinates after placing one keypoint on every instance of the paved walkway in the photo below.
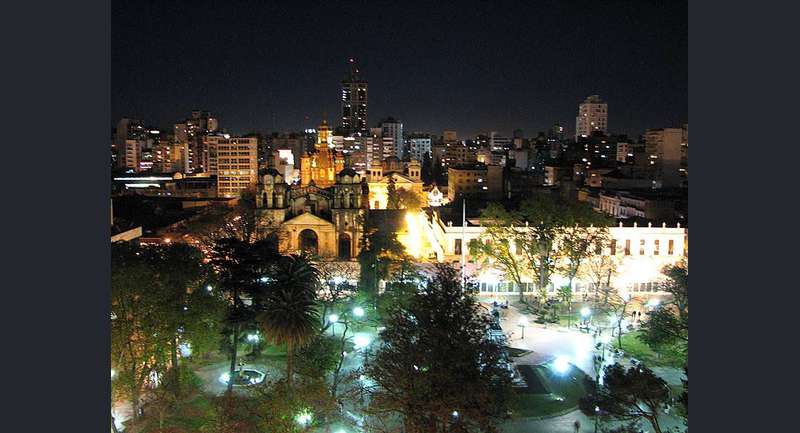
(550, 341)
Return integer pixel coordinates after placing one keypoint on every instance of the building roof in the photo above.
(348, 171)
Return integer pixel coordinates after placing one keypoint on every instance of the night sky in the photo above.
(474, 67)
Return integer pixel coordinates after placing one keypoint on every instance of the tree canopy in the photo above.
(436, 366)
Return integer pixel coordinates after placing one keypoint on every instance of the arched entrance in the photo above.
(308, 241)
(344, 246)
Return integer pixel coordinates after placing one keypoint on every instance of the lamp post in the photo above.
(523, 322)
(586, 313)
(253, 340)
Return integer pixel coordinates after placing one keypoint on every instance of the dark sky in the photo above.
(473, 67)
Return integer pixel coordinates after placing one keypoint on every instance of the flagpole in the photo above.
(463, 242)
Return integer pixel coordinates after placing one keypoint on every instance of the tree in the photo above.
(677, 285)
(565, 296)
(204, 319)
(220, 221)
(240, 267)
(669, 324)
(535, 229)
(545, 219)
(408, 199)
(616, 305)
(290, 313)
(180, 270)
(277, 406)
(626, 395)
(436, 366)
(587, 236)
(427, 170)
(496, 244)
(140, 337)
(336, 290)
(601, 269)
(392, 198)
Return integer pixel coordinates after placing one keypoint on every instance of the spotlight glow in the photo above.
(586, 312)
(361, 341)
(561, 364)
(304, 418)
(333, 318)
(358, 312)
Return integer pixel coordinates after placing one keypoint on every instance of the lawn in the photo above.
(554, 393)
(633, 347)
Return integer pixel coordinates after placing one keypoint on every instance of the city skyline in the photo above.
(635, 60)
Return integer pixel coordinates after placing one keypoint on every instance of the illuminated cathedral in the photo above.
(321, 166)
(324, 215)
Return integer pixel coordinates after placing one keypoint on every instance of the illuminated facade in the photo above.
(327, 222)
(320, 167)
(390, 171)
(638, 252)
(236, 164)
(592, 116)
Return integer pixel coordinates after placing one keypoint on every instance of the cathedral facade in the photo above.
(325, 221)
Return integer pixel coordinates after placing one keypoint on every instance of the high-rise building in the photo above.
(237, 165)
(498, 142)
(449, 136)
(354, 101)
(592, 116)
(475, 180)
(418, 146)
(664, 148)
(191, 131)
(128, 129)
(392, 133)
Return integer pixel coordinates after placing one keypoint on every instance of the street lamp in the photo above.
(585, 313)
(358, 312)
(303, 418)
(333, 318)
(523, 322)
(561, 364)
(113, 373)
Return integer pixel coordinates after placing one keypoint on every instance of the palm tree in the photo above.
(290, 314)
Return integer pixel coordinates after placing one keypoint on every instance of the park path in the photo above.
(550, 341)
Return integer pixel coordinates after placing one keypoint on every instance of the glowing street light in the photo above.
(561, 364)
(586, 312)
(304, 418)
(361, 341)
(358, 312)
(455, 414)
(113, 373)
(523, 322)
(252, 338)
(333, 318)
(653, 303)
